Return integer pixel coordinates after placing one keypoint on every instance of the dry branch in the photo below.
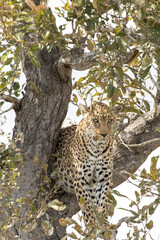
(75, 59)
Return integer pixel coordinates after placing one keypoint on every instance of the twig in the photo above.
(9, 98)
(15, 103)
(10, 108)
(155, 100)
(144, 143)
(153, 81)
(119, 139)
(124, 219)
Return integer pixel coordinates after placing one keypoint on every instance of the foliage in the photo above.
(112, 29)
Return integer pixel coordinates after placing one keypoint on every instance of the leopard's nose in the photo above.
(104, 135)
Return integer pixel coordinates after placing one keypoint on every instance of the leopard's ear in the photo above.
(84, 109)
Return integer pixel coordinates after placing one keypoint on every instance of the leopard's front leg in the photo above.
(85, 192)
(104, 171)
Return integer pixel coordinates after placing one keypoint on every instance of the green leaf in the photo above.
(120, 72)
(64, 222)
(112, 199)
(16, 86)
(149, 225)
(4, 57)
(132, 94)
(137, 195)
(8, 61)
(110, 90)
(119, 194)
(146, 103)
(151, 209)
(131, 211)
(34, 86)
(72, 235)
(67, 6)
(143, 73)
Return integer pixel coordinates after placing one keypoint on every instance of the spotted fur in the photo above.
(85, 159)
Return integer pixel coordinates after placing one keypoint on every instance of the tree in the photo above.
(121, 60)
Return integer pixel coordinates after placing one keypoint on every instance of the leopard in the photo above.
(85, 159)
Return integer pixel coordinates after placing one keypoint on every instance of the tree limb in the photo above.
(145, 143)
(141, 134)
(7, 110)
(122, 220)
(9, 98)
(75, 59)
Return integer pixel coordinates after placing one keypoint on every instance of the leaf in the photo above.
(146, 103)
(35, 49)
(120, 72)
(119, 194)
(64, 222)
(151, 209)
(110, 90)
(8, 61)
(31, 226)
(41, 212)
(67, 6)
(132, 94)
(56, 205)
(75, 98)
(78, 229)
(4, 57)
(132, 203)
(72, 235)
(131, 211)
(16, 86)
(90, 45)
(149, 225)
(78, 113)
(137, 195)
(47, 227)
(143, 173)
(112, 199)
(95, 4)
(143, 73)
(34, 86)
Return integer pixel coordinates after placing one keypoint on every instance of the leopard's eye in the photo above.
(110, 120)
(95, 120)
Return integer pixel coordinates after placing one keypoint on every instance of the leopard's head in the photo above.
(99, 121)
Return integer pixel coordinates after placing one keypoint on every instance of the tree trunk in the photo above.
(38, 121)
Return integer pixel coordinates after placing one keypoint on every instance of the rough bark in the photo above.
(39, 119)
(129, 159)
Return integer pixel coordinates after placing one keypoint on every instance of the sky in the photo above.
(125, 188)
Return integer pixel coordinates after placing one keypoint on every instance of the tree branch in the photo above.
(7, 110)
(15, 103)
(137, 135)
(75, 59)
(145, 143)
(122, 220)
(9, 98)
